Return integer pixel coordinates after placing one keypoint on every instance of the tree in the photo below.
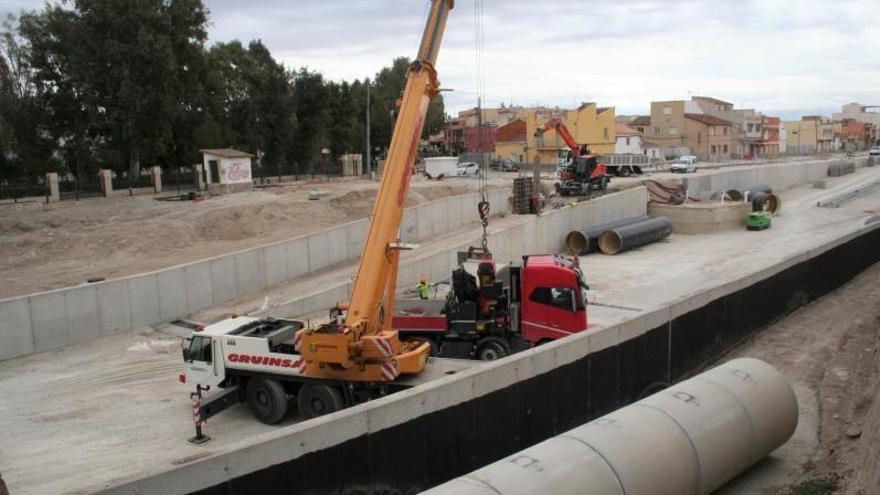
(312, 114)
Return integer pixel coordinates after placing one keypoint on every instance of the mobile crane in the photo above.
(579, 171)
(358, 354)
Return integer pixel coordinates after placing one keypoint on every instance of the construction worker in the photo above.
(423, 287)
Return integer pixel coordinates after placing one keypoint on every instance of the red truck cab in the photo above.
(553, 303)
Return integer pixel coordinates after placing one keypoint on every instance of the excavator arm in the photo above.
(364, 347)
(559, 127)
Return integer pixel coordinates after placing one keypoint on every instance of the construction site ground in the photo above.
(48, 246)
(112, 409)
(62, 244)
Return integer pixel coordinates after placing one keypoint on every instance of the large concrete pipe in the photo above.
(766, 202)
(727, 195)
(620, 239)
(584, 241)
(688, 439)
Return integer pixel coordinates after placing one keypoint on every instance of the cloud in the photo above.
(773, 55)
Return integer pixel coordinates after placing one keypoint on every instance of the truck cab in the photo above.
(553, 300)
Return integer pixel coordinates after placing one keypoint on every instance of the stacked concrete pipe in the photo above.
(691, 438)
(626, 237)
(585, 241)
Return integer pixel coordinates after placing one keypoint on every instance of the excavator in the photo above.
(579, 171)
(358, 354)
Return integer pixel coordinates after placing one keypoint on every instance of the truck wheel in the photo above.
(603, 184)
(317, 400)
(492, 349)
(267, 400)
(625, 171)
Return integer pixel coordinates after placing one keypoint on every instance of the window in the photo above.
(627, 141)
(725, 148)
(699, 138)
(199, 350)
(667, 110)
(725, 130)
(656, 131)
(713, 149)
(605, 132)
(557, 297)
(673, 130)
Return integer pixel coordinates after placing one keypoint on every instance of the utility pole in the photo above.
(369, 146)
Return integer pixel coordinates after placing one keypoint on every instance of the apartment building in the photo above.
(710, 138)
(747, 124)
(769, 144)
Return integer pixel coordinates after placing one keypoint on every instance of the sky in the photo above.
(785, 58)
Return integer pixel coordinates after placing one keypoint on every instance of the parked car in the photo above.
(468, 168)
(503, 165)
(684, 164)
(874, 151)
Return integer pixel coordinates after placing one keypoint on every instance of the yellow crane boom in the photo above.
(364, 347)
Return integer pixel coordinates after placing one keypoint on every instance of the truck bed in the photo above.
(420, 315)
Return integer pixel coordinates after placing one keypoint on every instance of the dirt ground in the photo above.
(832, 348)
(58, 245)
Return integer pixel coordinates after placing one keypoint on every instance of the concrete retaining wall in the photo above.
(779, 176)
(48, 320)
(412, 440)
(702, 218)
(530, 235)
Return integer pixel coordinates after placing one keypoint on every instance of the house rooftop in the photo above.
(706, 119)
(713, 100)
(226, 153)
(624, 130)
(642, 120)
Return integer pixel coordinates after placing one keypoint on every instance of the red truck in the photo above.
(501, 309)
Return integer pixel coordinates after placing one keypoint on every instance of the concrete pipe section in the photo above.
(728, 195)
(585, 241)
(688, 439)
(766, 202)
(620, 239)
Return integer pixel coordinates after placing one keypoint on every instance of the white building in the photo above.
(629, 141)
(227, 170)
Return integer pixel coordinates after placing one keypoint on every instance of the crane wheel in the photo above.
(491, 349)
(267, 400)
(317, 400)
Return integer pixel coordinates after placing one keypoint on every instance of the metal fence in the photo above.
(318, 169)
(87, 186)
(121, 180)
(178, 179)
(23, 187)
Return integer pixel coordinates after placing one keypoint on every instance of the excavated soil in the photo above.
(832, 347)
(63, 244)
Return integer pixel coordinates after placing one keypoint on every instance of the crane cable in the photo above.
(483, 207)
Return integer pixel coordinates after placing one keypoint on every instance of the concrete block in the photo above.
(424, 219)
(83, 322)
(439, 218)
(603, 338)
(114, 310)
(250, 272)
(355, 235)
(16, 338)
(400, 408)
(337, 242)
(534, 362)
(224, 286)
(297, 257)
(143, 297)
(632, 329)
(275, 264)
(53, 194)
(494, 376)
(199, 288)
(49, 320)
(319, 251)
(410, 226)
(172, 293)
(570, 349)
(688, 303)
(445, 393)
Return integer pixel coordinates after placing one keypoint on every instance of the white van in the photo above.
(684, 164)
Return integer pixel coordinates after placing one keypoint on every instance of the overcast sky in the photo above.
(781, 57)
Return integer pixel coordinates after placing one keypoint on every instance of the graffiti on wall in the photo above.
(237, 171)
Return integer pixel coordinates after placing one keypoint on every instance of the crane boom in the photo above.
(364, 347)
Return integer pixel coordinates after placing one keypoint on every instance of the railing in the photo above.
(22, 187)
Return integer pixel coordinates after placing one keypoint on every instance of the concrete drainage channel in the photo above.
(423, 437)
